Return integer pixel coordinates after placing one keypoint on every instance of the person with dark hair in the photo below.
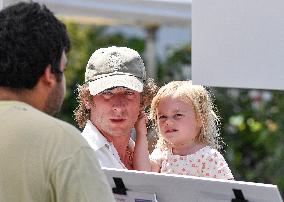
(114, 95)
(42, 158)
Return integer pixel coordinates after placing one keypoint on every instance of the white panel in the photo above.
(238, 43)
(184, 188)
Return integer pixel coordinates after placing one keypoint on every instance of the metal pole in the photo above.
(150, 55)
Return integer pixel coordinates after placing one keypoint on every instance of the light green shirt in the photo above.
(45, 159)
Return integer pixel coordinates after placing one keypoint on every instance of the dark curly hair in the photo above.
(31, 38)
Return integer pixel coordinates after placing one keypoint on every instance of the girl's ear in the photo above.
(199, 122)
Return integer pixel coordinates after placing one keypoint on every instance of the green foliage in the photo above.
(173, 67)
(252, 129)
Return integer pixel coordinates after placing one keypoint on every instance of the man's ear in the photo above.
(48, 76)
(87, 103)
(199, 121)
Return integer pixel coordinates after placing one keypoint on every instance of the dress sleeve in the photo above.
(157, 156)
(215, 166)
(80, 178)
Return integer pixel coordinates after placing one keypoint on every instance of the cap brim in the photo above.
(128, 81)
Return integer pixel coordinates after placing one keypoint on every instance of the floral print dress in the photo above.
(206, 162)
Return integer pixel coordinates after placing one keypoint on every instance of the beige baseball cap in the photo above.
(115, 67)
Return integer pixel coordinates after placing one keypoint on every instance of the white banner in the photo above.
(238, 43)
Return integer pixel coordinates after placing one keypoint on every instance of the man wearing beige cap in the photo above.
(115, 92)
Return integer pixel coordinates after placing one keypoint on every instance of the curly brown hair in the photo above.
(82, 114)
(202, 102)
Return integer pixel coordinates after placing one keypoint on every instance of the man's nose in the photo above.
(119, 103)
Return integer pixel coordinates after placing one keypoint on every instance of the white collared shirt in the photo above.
(105, 151)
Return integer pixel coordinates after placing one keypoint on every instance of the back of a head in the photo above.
(31, 38)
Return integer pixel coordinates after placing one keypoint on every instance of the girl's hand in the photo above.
(140, 125)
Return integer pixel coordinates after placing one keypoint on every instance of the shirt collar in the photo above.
(93, 136)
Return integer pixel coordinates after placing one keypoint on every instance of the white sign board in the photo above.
(181, 188)
(238, 43)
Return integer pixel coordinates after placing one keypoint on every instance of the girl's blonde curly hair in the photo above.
(82, 114)
(203, 105)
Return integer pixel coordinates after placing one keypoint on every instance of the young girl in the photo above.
(188, 134)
